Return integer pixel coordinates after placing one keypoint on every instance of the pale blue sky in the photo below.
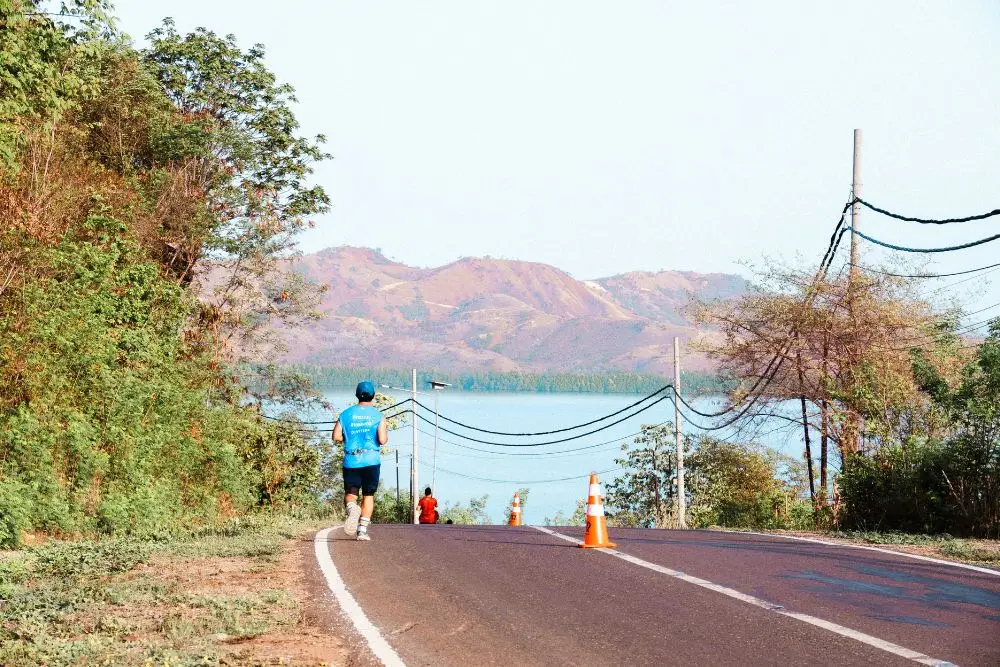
(605, 137)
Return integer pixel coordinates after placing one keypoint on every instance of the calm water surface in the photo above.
(556, 476)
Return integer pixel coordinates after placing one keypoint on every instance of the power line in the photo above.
(572, 451)
(334, 421)
(330, 430)
(893, 246)
(926, 221)
(549, 442)
(525, 481)
(560, 430)
(768, 375)
(922, 275)
(948, 286)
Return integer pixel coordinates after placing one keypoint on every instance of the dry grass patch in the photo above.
(181, 603)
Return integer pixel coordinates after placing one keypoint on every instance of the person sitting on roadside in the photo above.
(428, 507)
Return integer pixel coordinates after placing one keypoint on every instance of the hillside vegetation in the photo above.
(121, 172)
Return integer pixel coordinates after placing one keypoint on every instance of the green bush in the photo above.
(73, 560)
(932, 488)
(387, 510)
(15, 516)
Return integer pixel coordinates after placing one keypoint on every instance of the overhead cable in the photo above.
(334, 421)
(572, 451)
(922, 275)
(548, 442)
(927, 221)
(901, 248)
(559, 430)
(330, 430)
(769, 373)
(523, 481)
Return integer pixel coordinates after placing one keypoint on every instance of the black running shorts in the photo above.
(365, 479)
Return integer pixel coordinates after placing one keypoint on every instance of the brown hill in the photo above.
(491, 314)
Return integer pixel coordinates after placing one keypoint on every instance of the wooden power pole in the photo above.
(855, 206)
(678, 438)
(415, 461)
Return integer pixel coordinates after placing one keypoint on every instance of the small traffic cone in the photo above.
(515, 511)
(596, 534)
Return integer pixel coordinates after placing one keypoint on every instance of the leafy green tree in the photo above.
(734, 485)
(252, 168)
(643, 496)
(577, 518)
(727, 484)
(116, 411)
(387, 510)
(472, 514)
(44, 69)
(949, 483)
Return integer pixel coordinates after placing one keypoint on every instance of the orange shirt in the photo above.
(427, 512)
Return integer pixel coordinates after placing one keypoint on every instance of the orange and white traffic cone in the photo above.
(596, 534)
(515, 511)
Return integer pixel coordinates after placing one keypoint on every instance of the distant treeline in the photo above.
(610, 382)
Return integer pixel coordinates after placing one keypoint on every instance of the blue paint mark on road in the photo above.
(912, 620)
(881, 599)
(939, 590)
(839, 584)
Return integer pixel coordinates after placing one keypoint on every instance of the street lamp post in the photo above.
(414, 459)
(437, 386)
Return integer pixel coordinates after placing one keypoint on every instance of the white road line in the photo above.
(881, 644)
(350, 607)
(940, 561)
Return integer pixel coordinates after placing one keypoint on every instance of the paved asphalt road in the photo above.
(496, 595)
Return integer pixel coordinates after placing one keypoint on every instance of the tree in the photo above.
(735, 485)
(472, 514)
(43, 69)
(795, 338)
(241, 151)
(116, 411)
(728, 484)
(948, 483)
(644, 495)
(578, 518)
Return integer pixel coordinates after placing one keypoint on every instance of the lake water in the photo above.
(556, 475)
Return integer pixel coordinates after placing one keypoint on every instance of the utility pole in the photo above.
(854, 420)
(855, 206)
(434, 465)
(437, 386)
(414, 462)
(678, 439)
(397, 479)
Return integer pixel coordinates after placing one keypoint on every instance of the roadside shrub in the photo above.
(739, 486)
(935, 488)
(73, 560)
(387, 510)
(14, 513)
(147, 512)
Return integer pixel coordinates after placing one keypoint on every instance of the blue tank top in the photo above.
(360, 426)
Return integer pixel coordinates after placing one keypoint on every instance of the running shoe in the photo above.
(353, 516)
(363, 536)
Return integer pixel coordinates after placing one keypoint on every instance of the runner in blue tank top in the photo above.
(363, 430)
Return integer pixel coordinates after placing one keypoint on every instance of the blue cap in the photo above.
(365, 391)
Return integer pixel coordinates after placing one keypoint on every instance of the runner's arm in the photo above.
(383, 432)
(338, 433)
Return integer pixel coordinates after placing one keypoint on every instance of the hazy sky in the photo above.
(603, 137)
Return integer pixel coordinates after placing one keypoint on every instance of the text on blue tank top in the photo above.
(360, 426)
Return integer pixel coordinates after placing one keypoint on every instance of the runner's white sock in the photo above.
(363, 525)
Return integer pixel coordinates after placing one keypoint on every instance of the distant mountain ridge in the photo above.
(494, 314)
